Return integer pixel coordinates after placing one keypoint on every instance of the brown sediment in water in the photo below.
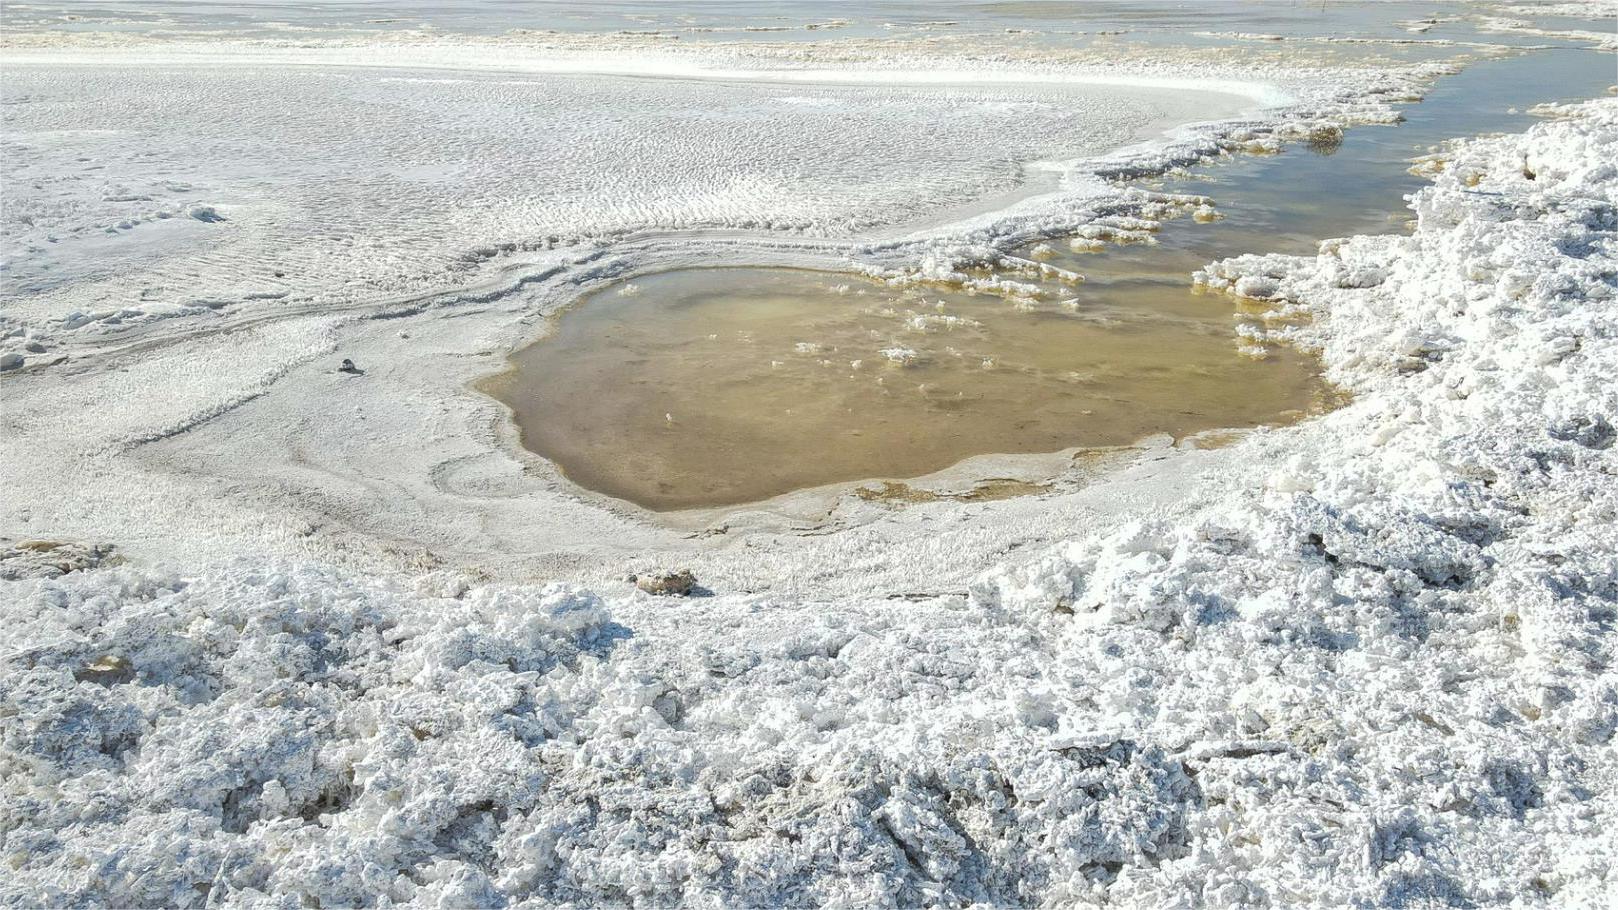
(710, 387)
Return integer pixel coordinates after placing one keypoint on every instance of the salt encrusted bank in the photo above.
(1372, 664)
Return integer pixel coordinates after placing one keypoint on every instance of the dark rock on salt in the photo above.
(665, 584)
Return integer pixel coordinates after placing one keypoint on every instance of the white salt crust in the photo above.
(1370, 663)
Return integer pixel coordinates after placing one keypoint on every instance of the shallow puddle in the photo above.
(706, 387)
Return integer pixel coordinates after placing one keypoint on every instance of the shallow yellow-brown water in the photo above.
(707, 387)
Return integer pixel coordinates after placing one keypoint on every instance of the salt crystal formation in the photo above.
(1380, 675)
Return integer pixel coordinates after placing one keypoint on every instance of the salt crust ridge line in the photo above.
(1381, 674)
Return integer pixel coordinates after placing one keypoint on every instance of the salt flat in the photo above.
(279, 633)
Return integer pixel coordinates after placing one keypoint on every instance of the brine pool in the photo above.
(711, 387)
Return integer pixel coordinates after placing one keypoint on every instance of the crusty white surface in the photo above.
(1366, 660)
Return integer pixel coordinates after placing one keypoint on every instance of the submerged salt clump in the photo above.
(930, 322)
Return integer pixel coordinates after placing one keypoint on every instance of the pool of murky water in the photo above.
(704, 387)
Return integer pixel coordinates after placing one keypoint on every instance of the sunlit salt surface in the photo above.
(706, 387)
